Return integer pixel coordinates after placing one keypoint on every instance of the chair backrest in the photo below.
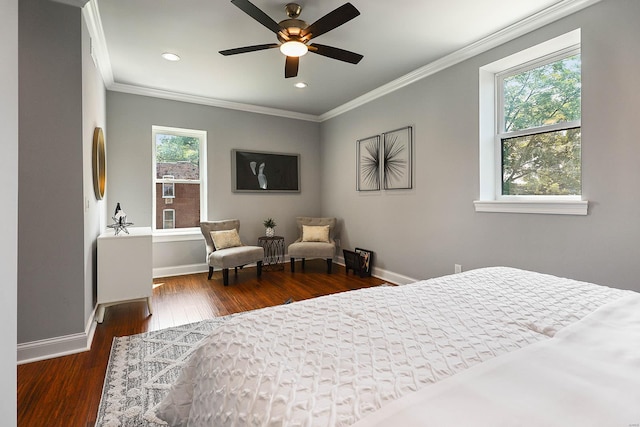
(208, 226)
(306, 220)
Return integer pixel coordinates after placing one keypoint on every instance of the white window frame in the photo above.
(490, 153)
(179, 234)
(173, 218)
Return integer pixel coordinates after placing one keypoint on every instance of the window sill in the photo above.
(177, 236)
(549, 207)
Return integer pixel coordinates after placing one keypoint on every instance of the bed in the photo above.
(493, 346)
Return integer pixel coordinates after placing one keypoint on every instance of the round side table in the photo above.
(273, 252)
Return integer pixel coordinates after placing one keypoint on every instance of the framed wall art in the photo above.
(396, 158)
(368, 167)
(367, 261)
(99, 164)
(261, 172)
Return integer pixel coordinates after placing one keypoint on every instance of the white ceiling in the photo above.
(396, 38)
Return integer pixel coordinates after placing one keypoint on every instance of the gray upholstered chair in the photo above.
(237, 255)
(313, 244)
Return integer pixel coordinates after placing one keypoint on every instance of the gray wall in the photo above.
(50, 211)
(62, 99)
(129, 166)
(9, 223)
(424, 231)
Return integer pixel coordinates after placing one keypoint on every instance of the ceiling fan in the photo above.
(294, 34)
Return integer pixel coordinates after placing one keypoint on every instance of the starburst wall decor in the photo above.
(397, 159)
(390, 164)
(369, 164)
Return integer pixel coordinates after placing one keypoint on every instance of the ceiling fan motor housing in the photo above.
(293, 10)
(291, 28)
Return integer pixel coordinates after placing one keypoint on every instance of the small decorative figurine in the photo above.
(120, 221)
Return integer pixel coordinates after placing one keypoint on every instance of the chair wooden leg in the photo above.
(235, 270)
(329, 263)
(225, 276)
(293, 265)
(210, 273)
(259, 268)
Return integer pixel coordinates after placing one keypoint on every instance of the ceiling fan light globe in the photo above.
(294, 48)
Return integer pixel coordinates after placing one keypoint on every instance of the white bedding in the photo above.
(334, 360)
(587, 375)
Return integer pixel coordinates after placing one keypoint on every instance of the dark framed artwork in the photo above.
(396, 159)
(262, 172)
(367, 261)
(368, 167)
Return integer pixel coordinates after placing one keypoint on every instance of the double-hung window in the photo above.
(530, 130)
(179, 179)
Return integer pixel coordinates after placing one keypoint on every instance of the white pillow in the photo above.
(224, 239)
(315, 233)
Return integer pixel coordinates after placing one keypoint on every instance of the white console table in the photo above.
(125, 269)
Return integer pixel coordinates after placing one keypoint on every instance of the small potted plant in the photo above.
(269, 224)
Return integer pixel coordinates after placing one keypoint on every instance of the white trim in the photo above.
(177, 235)
(99, 50)
(540, 129)
(78, 3)
(388, 276)
(58, 346)
(173, 218)
(212, 102)
(538, 20)
(179, 270)
(552, 207)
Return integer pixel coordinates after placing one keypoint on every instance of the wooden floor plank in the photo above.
(66, 391)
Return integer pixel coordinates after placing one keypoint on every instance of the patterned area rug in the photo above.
(142, 368)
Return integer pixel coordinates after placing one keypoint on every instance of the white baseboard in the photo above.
(380, 273)
(180, 270)
(59, 346)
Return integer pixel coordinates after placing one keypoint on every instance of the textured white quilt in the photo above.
(588, 375)
(333, 360)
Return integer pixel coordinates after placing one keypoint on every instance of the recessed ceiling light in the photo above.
(300, 85)
(170, 56)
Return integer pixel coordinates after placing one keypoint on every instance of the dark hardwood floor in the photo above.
(66, 391)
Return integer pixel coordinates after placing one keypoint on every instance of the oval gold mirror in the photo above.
(99, 164)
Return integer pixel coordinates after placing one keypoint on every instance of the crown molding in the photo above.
(533, 22)
(78, 3)
(538, 20)
(99, 50)
(203, 100)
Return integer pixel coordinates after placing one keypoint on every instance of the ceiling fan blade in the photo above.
(250, 9)
(335, 53)
(248, 49)
(331, 20)
(291, 66)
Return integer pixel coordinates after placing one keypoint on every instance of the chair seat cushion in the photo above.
(312, 250)
(235, 257)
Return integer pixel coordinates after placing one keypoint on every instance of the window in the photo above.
(179, 177)
(530, 130)
(168, 218)
(539, 128)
